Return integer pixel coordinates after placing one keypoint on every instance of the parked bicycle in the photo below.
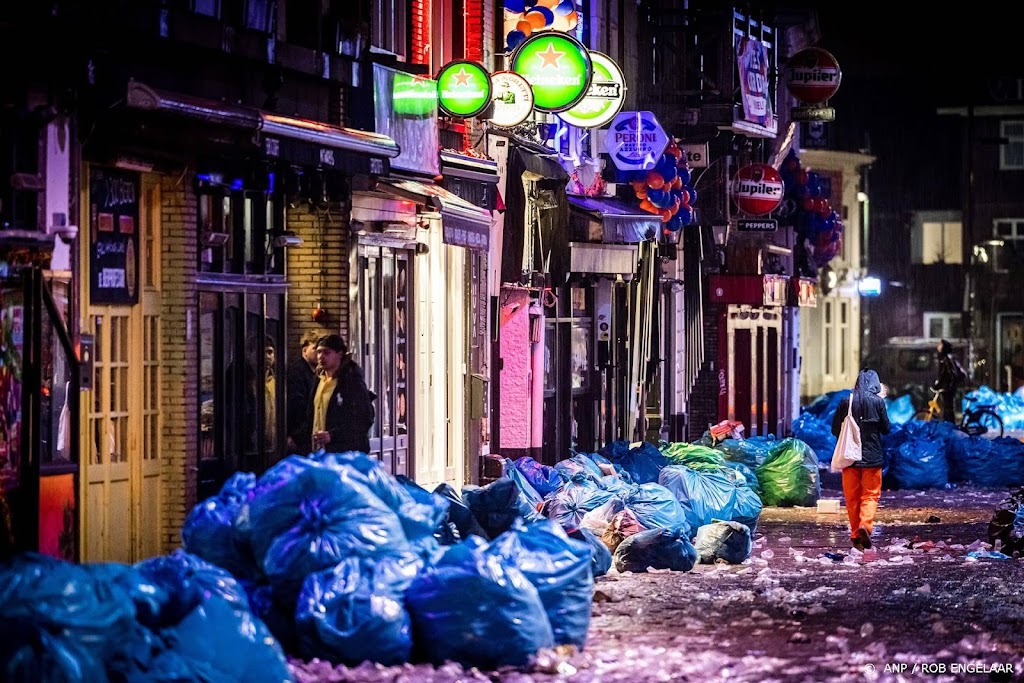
(978, 418)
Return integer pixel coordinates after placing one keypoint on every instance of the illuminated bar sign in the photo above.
(114, 243)
(463, 89)
(513, 99)
(557, 67)
(605, 97)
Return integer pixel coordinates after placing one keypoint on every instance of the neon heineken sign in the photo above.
(463, 89)
(604, 98)
(558, 68)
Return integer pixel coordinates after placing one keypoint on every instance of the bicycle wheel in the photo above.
(982, 422)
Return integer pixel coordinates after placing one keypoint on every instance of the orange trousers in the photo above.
(862, 487)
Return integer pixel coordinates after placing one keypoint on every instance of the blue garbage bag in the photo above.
(225, 643)
(30, 653)
(559, 568)
(525, 487)
(477, 609)
(419, 516)
(921, 464)
(185, 581)
(209, 532)
(986, 462)
(748, 507)
(722, 540)
(656, 549)
(703, 495)
(277, 615)
(497, 505)
(543, 478)
(601, 557)
(599, 459)
(306, 517)
(356, 612)
(80, 618)
(816, 433)
(643, 463)
(655, 506)
(900, 409)
(747, 452)
(576, 464)
(575, 498)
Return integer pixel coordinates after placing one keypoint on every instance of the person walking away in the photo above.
(951, 377)
(342, 406)
(302, 381)
(862, 481)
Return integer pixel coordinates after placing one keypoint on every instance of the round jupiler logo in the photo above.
(813, 75)
(757, 189)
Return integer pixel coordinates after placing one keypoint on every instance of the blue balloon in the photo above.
(515, 6)
(684, 174)
(675, 224)
(667, 171)
(660, 198)
(685, 215)
(530, 3)
(514, 38)
(565, 8)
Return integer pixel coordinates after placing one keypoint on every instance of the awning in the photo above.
(274, 130)
(471, 168)
(540, 164)
(603, 259)
(607, 219)
(464, 224)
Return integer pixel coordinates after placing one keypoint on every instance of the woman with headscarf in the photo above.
(862, 481)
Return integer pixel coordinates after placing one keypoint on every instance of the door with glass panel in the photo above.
(381, 347)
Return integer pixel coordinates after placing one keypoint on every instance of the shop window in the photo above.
(241, 384)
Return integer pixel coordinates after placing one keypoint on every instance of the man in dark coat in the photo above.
(302, 381)
(341, 407)
(862, 481)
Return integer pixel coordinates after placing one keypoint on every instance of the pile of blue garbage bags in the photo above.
(924, 455)
(329, 556)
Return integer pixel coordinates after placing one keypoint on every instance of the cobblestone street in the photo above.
(916, 607)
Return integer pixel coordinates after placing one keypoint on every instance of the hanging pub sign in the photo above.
(463, 89)
(557, 67)
(635, 141)
(813, 76)
(605, 97)
(752, 62)
(757, 189)
(512, 99)
(114, 238)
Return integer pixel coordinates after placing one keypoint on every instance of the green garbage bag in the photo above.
(789, 475)
(692, 455)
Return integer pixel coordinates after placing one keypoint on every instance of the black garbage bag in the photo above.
(460, 522)
(498, 504)
(656, 549)
(477, 609)
(729, 541)
(1007, 525)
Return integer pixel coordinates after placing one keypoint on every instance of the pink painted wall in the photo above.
(516, 389)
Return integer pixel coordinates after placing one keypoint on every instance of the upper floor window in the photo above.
(1011, 153)
(387, 27)
(236, 231)
(937, 242)
(21, 173)
(943, 326)
(1009, 229)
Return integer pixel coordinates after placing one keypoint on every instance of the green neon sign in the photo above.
(463, 89)
(558, 68)
(414, 96)
(604, 98)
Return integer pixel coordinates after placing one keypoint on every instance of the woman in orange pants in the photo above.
(862, 481)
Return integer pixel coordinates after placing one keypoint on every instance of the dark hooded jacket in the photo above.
(871, 416)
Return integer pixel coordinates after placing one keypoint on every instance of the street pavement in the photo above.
(805, 607)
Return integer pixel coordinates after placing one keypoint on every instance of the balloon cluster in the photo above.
(667, 189)
(819, 228)
(531, 16)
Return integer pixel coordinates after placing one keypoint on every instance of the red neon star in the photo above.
(550, 57)
(462, 77)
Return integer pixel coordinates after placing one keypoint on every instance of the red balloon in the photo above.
(655, 180)
(801, 177)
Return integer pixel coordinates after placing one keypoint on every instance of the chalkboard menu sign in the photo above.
(114, 243)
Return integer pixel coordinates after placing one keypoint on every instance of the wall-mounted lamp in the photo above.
(286, 239)
(216, 239)
(720, 233)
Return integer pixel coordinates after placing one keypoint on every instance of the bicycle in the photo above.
(977, 420)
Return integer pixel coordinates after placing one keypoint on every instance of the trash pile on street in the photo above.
(1009, 407)
(920, 454)
(328, 557)
(1006, 529)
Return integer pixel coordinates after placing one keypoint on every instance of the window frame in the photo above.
(1011, 140)
(947, 318)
